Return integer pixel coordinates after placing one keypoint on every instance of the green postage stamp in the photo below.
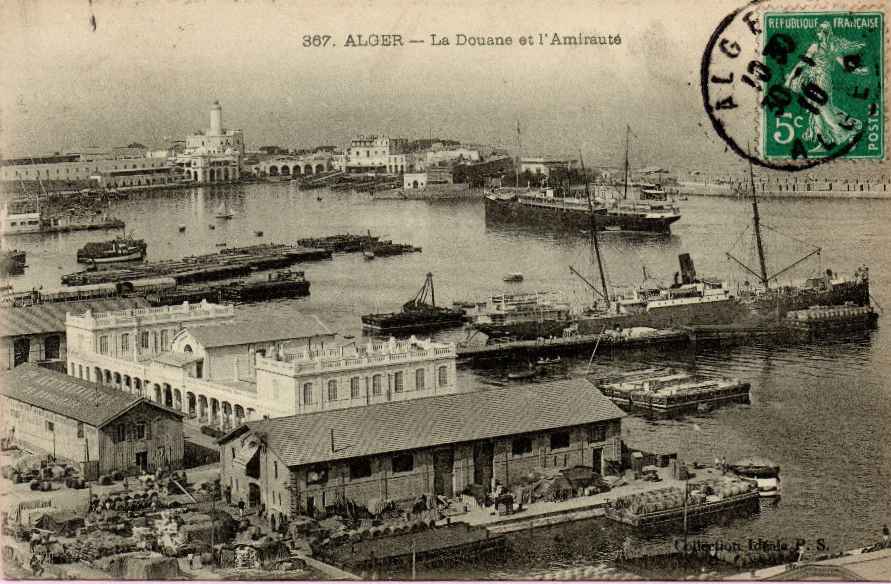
(826, 95)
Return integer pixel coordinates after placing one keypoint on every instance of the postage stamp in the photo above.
(790, 88)
(827, 93)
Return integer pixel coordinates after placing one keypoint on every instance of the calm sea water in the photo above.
(820, 410)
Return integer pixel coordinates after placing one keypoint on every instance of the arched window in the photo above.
(332, 390)
(187, 349)
(307, 393)
(443, 375)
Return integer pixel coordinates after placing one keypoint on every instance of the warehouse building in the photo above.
(298, 464)
(105, 430)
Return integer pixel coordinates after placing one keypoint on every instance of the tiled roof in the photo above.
(50, 317)
(297, 326)
(68, 396)
(434, 421)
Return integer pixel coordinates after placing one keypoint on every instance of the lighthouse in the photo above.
(216, 119)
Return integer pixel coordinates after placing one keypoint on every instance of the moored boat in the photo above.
(513, 277)
(764, 472)
(121, 249)
(420, 313)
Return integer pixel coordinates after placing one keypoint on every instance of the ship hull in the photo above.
(498, 210)
(779, 302)
(129, 257)
(724, 311)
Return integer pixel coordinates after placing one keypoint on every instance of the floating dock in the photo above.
(230, 263)
(668, 390)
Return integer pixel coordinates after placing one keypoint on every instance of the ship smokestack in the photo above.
(688, 270)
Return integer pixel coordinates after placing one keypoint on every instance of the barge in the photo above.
(281, 284)
(417, 315)
(340, 243)
(668, 390)
(822, 319)
(694, 503)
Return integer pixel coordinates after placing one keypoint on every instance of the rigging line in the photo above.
(741, 235)
(786, 235)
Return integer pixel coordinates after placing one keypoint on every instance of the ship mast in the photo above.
(594, 232)
(627, 148)
(519, 154)
(757, 220)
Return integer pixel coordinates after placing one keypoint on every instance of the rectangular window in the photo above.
(360, 469)
(354, 387)
(559, 440)
(103, 345)
(144, 339)
(376, 385)
(316, 476)
(419, 380)
(233, 454)
(332, 390)
(122, 432)
(403, 462)
(307, 393)
(80, 429)
(598, 433)
(140, 430)
(443, 375)
(397, 382)
(163, 340)
(521, 445)
(125, 342)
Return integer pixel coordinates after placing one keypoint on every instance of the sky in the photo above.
(151, 68)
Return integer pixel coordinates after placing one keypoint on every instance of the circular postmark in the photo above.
(789, 89)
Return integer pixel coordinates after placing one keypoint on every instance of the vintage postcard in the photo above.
(464, 290)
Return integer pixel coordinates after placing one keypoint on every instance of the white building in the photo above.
(434, 157)
(57, 171)
(543, 166)
(374, 154)
(199, 360)
(352, 375)
(213, 155)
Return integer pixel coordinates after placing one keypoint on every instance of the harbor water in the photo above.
(819, 410)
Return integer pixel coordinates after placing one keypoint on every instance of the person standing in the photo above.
(886, 536)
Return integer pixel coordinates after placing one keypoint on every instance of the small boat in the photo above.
(223, 212)
(212, 226)
(368, 254)
(121, 249)
(182, 228)
(525, 374)
(548, 361)
(764, 472)
(318, 198)
(223, 244)
(258, 233)
(514, 277)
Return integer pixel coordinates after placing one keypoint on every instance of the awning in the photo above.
(247, 452)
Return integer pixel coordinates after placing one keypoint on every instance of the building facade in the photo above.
(53, 413)
(200, 360)
(79, 168)
(398, 451)
(294, 166)
(374, 154)
(36, 334)
(544, 166)
(354, 375)
(213, 155)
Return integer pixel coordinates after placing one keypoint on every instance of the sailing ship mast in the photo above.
(762, 275)
(757, 220)
(627, 148)
(594, 231)
(519, 154)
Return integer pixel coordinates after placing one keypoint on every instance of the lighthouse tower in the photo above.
(216, 119)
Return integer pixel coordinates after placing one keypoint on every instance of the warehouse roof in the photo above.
(50, 317)
(432, 421)
(68, 396)
(258, 331)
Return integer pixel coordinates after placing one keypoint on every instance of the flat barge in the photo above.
(706, 501)
(340, 243)
(418, 314)
(822, 319)
(669, 390)
(219, 266)
(281, 284)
